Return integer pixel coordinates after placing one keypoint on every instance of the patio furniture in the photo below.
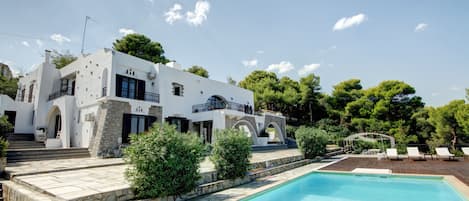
(391, 153)
(414, 154)
(465, 150)
(443, 152)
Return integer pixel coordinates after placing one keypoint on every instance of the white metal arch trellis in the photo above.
(368, 137)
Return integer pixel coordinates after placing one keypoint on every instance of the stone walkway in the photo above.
(262, 184)
(77, 178)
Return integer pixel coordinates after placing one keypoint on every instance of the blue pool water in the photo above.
(349, 187)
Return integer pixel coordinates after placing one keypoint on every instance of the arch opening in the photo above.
(245, 126)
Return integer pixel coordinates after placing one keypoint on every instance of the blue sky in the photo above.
(424, 43)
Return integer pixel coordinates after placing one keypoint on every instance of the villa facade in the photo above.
(101, 98)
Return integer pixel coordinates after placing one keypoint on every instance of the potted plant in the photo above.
(3, 154)
(263, 138)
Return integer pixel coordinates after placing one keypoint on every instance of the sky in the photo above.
(423, 43)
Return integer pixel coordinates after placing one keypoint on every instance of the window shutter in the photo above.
(140, 90)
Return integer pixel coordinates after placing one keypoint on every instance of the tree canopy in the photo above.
(198, 70)
(62, 59)
(142, 47)
(8, 86)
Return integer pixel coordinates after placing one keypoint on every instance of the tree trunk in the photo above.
(453, 141)
(310, 113)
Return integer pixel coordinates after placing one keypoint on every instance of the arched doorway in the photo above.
(54, 120)
(247, 128)
(275, 134)
(216, 102)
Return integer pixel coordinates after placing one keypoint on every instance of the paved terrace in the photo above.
(459, 169)
(77, 178)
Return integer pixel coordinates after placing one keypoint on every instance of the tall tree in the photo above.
(342, 94)
(265, 86)
(142, 47)
(198, 70)
(445, 120)
(310, 95)
(62, 59)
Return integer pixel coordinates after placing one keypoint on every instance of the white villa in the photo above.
(99, 99)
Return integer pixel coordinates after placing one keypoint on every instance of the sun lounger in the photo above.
(392, 153)
(414, 154)
(443, 152)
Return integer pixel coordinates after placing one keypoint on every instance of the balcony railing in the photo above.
(153, 97)
(60, 93)
(227, 105)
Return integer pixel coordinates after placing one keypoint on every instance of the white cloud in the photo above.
(173, 14)
(308, 69)
(150, 1)
(421, 27)
(25, 43)
(282, 67)
(347, 22)
(260, 51)
(59, 38)
(435, 94)
(126, 31)
(199, 15)
(250, 63)
(39, 43)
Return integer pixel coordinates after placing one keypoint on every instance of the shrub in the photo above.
(231, 153)
(5, 125)
(291, 131)
(311, 141)
(3, 147)
(163, 162)
(360, 145)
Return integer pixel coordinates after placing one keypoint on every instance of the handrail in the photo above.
(219, 106)
(60, 93)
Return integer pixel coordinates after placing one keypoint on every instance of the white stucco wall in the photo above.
(24, 113)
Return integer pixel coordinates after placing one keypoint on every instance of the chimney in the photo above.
(47, 56)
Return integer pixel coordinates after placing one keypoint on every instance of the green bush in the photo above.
(163, 162)
(311, 141)
(360, 145)
(291, 131)
(3, 147)
(231, 153)
(5, 125)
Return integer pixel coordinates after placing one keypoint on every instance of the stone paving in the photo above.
(77, 178)
(262, 184)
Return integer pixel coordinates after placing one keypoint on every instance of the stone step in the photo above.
(20, 137)
(208, 177)
(269, 147)
(25, 145)
(21, 155)
(219, 185)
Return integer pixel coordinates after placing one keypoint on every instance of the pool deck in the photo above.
(69, 179)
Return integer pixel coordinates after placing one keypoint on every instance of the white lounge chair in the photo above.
(443, 152)
(391, 153)
(414, 154)
(465, 150)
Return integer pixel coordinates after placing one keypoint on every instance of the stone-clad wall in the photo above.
(108, 128)
(156, 111)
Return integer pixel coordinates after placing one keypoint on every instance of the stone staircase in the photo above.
(22, 147)
(37, 154)
(269, 147)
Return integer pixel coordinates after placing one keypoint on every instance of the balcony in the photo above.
(60, 93)
(152, 97)
(222, 106)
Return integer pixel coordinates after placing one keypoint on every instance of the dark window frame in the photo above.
(127, 87)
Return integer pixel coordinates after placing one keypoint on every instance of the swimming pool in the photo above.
(320, 186)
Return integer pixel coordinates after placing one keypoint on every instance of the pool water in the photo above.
(350, 187)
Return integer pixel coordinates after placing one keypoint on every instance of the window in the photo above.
(30, 97)
(135, 124)
(178, 89)
(182, 124)
(127, 87)
(23, 91)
